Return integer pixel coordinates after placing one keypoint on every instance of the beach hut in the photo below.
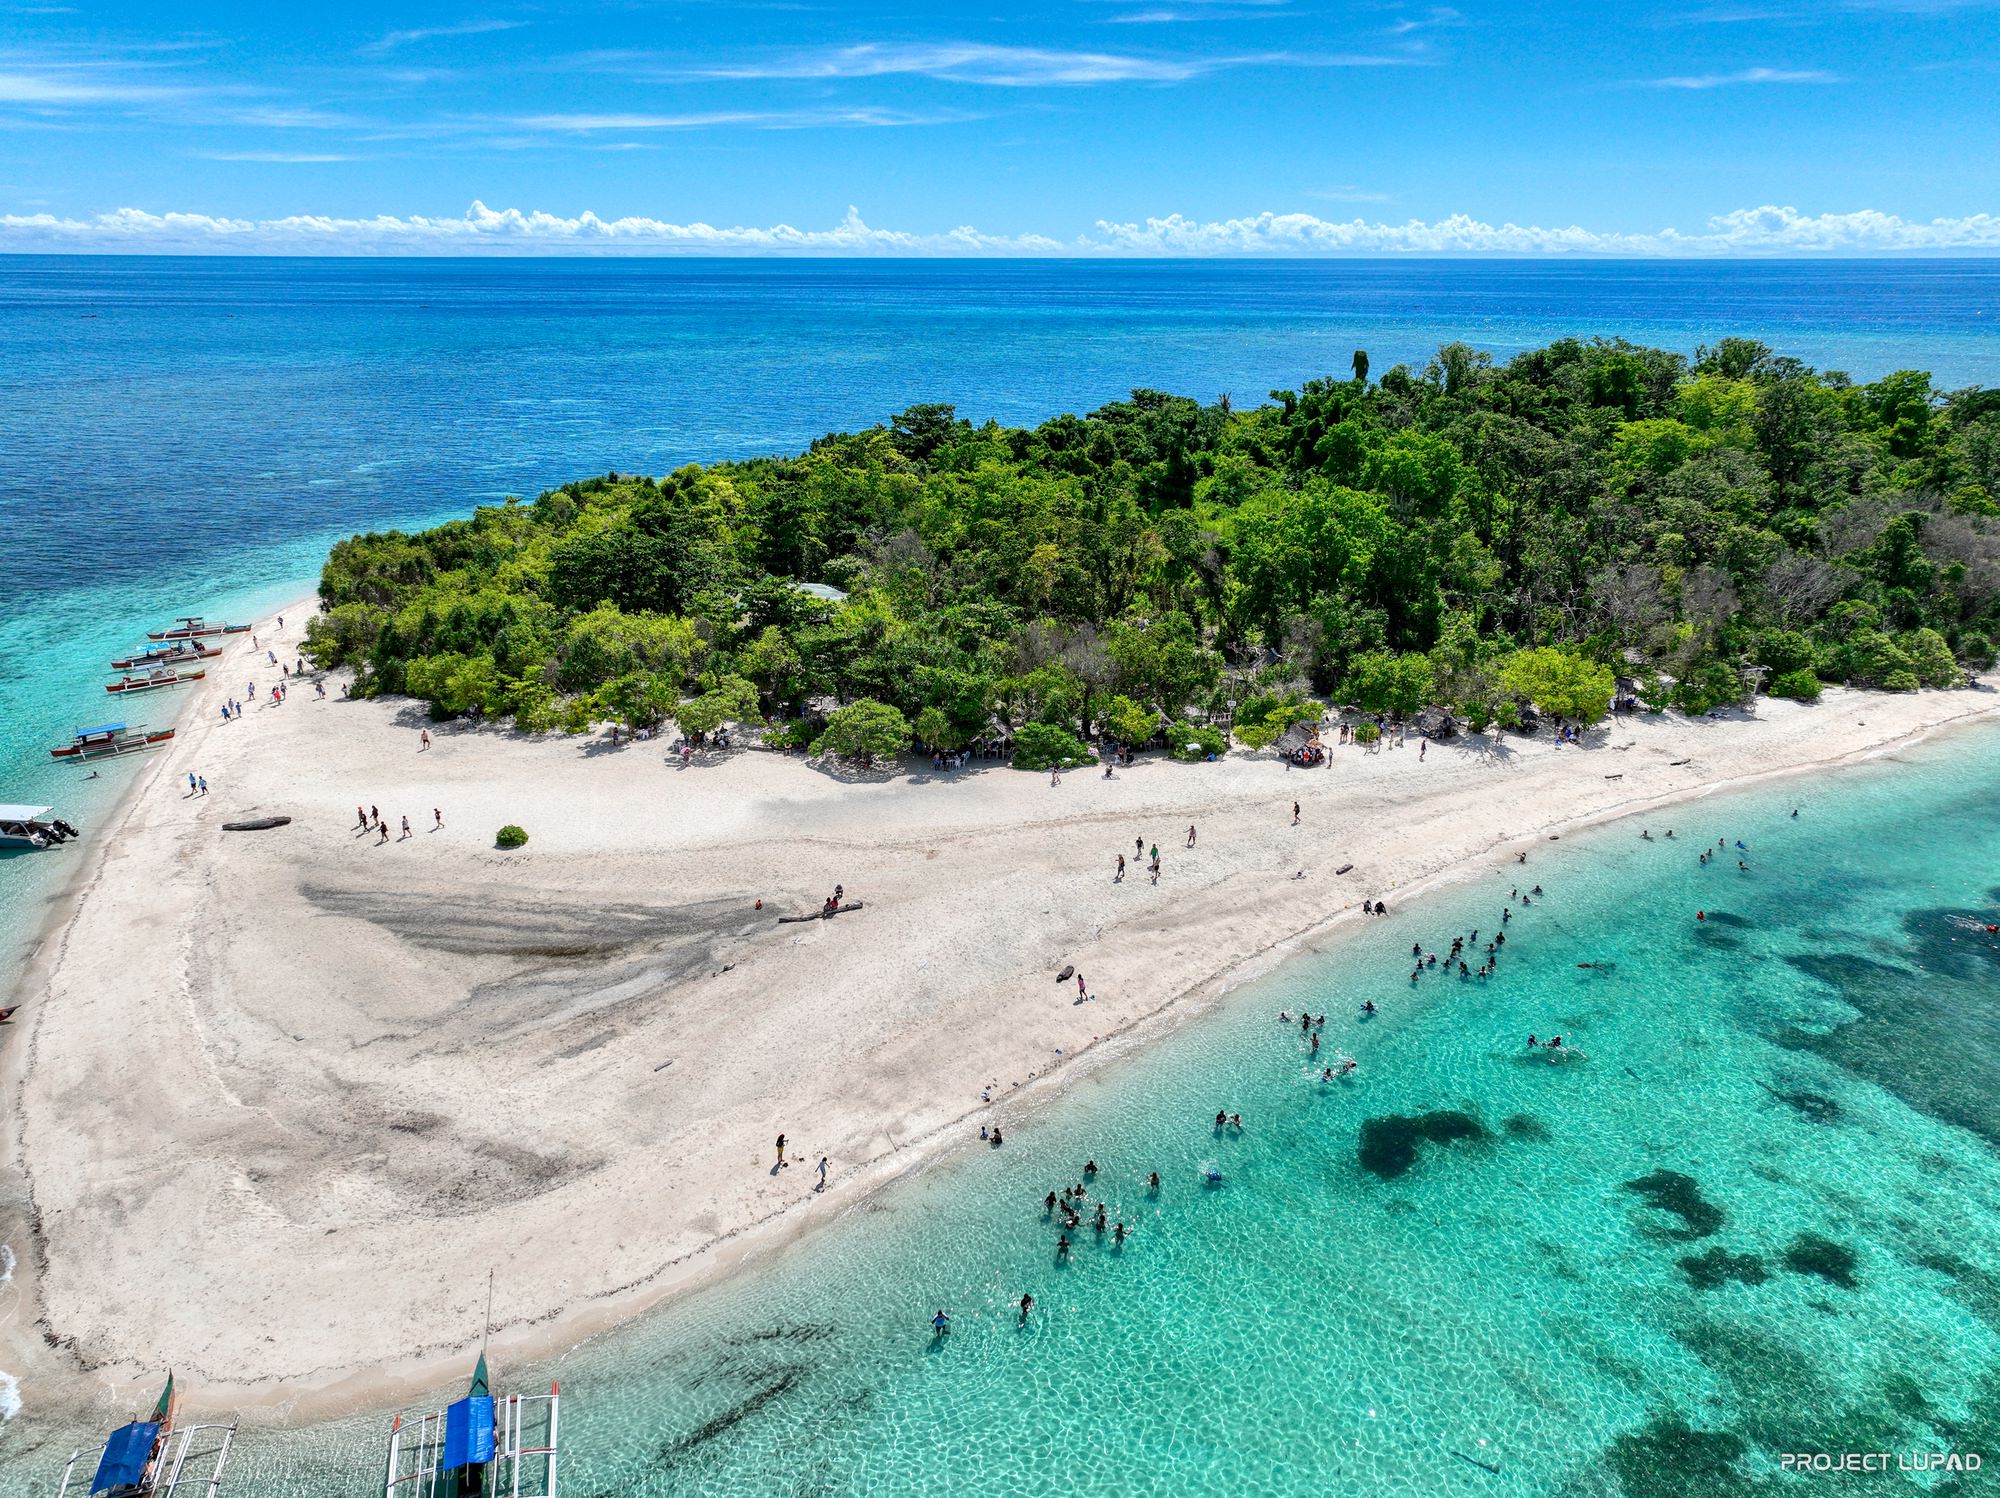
(1300, 744)
(1436, 723)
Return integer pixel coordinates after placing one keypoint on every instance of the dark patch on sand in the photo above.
(1389, 1143)
(1670, 1191)
(1668, 1458)
(1835, 1263)
(1718, 1267)
(1926, 1029)
(1814, 1106)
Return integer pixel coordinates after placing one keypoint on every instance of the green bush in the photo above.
(1206, 740)
(1043, 746)
(1975, 650)
(1900, 681)
(1800, 686)
(865, 730)
(793, 733)
(509, 836)
(1368, 733)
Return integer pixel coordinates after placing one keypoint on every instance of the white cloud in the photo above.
(796, 119)
(395, 39)
(37, 88)
(483, 230)
(285, 158)
(1747, 75)
(973, 63)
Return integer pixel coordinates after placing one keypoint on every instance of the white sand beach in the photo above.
(276, 1091)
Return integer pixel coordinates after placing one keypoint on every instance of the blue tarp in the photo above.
(468, 1433)
(125, 1456)
(107, 728)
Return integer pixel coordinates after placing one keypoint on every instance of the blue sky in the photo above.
(1106, 126)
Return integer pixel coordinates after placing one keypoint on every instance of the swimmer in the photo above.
(1326, 1074)
(1236, 1120)
(1538, 889)
(940, 1324)
(1027, 1305)
(1534, 1042)
(1048, 1204)
(1118, 1233)
(1090, 1167)
(1349, 1065)
(1212, 1176)
(1153, 1181)
(1221, 1119)
(1062, 1245)
(1367, 1006)
(1100, 1221)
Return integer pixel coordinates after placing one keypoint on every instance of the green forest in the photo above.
(1489, 540)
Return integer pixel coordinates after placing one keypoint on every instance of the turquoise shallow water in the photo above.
(1758, 1217)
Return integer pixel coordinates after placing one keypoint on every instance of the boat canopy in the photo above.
(125, 1456)
(468, 1432)
(24, 813)
(91, 733)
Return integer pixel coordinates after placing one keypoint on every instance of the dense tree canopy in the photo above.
(1468, 535)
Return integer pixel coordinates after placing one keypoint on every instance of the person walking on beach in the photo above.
(1081, 991)
(1423, 749)
(361, 817)
(190, 782)
(1295, 813)
(423, 738)
(1138, 847)
(374, 815)
(203, 779)
(1120, 879)
(406, 829)
(438, 818)
(823, 1163)
(781, 1149)
(1190, 841)
(383, 828)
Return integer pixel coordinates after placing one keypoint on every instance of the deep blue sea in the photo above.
(1806, 1089)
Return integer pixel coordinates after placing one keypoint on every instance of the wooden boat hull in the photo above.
(147, 659)
(197, 632)
(77, 753)
(152, 683)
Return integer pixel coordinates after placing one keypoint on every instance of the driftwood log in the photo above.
(818, 915)
(259, 824)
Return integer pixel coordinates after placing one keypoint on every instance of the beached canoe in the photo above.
(153, 681)
(193, 628)
(257, 824)
(165, 655)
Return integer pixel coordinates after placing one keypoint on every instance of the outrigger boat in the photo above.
(479, 1446)
(152, 680)
(32, 827)
(110, 740)
(165, 655)
(157, 1458)
(193, 627)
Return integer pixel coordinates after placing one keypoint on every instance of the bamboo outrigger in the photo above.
(109, 741)
(153, 680)
(165, 655)
(479, 1446)
(193, 627)
(158, 1458)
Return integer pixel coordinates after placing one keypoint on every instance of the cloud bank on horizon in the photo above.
(1769, 230)
(1077, 127)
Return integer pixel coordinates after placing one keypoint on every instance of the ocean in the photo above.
(1759, 1212)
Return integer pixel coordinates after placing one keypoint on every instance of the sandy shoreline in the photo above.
(283, 1096)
